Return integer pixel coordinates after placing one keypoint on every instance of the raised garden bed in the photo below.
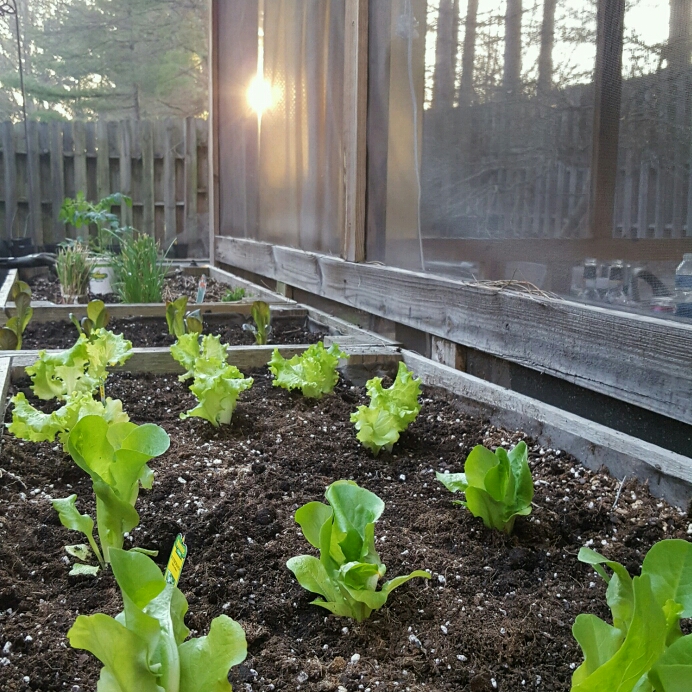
(497, 613)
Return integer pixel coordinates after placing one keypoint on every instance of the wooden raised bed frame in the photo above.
(669, 474)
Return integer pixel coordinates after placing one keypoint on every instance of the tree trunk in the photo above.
(512, 68)
(445, 54)
(468, 54)
(545, 58)
(679, 45)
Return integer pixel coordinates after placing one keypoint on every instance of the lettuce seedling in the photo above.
(82, 368)
(143, 649)
(181, 322)
(13, 331)
(498, 486)
(97, 317)
(216, 384)
(28, 423)
(313, 372)
(644, 649)
(349, 568)
(261, 315)
(390, 412)
(115, 457)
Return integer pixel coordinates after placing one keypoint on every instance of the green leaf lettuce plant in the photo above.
(261, 316)
(13, 331)
(216, 384)
(498, 486)
(143, 649)
(644, 649)
(115, 456)
(390, 412)
(97, 317)
(348, 570)
(313, 372)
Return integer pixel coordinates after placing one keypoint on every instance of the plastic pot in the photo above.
(102, 277)
(20, 247)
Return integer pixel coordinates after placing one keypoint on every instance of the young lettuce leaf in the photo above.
(261, 316)
(644, 649)
(216, 384)
(390, 412)
(115, 457)
(143, 649)
(82, 368)
(181, 322)
(97, 317)
(313, 372)
(349, 568)
(498, 486)
(28, 423)
(12, 333)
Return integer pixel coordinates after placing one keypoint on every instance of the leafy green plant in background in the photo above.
(74, 266)
(31, 424)
(115, 456)
(181, 322)
(498, 486)
(313, 372)
(261, 329)
(349, 568)
(82, 368)
(139, 269)
(97, 317)
(13, 331)
(644, 649)
(216, 384)
(81, 213)
(390, 412)
(233, 295)
(144, 649)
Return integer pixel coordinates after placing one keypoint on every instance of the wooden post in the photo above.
(34, 189)
(169, 208)
(448, 353)
(355, 124)
(147, 142)
(57, 177)
(103, 183)
(80, 159)
(125, 164)
(190, 141)
(606, 123)
(9, 157)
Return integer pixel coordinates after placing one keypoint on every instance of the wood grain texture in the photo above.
(594, 445)
(253, 290)
(147, 144)
(7, 287)
(9, 147)
(103, 179)
(638, 359)
(5, 381)
(57, 178)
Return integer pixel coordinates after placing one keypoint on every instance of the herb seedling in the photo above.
(216, 384)
(498, 486)
(313, 372)
(97, 317)
(115, 456)
(348, 569)
(11, 334)
(644, 649)
(261, 314)
(74, 266)
(390, 412)
(233, 295)
(139, 269)
(144, 649)
(181, 322)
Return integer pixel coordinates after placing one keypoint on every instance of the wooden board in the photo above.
(7, 287)
(642, 360)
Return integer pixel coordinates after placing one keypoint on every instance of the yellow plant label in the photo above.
(176, 560)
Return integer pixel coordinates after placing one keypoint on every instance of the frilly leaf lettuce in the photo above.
(349, 568)
(644, 649)
(216, 384)
(313, 372)
(498, 486)
(28, 423)
(390, 412)
(82, 368)
(143, 649)
(115, 457)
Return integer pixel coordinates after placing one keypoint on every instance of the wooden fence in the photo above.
(161, 165)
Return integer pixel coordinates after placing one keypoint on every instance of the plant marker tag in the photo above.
(102, 392)
(201, 289)
(176, 561)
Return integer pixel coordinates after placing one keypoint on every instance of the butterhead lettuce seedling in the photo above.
(498, 486)
(216, 384)
(390, 412)
(180, 321)
(644, 649)
(97, 317)
(313, 371)
(12, 333)
(143, 649)
(115, 457)
(261, 316)
(349, 568)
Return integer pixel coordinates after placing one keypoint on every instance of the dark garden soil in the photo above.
(495, 616)
(47, 287)
(153, 331)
